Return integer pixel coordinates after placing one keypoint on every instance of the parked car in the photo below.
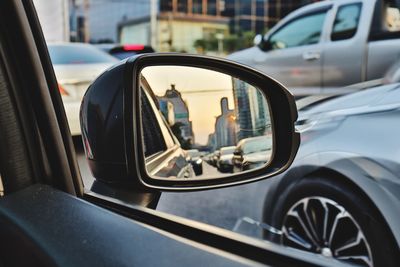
(251, 153)
(326, 45)
(76, 66)
(225, 163)
(195, 159)
(341, 196)
(124, 51)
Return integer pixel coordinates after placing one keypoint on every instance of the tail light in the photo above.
(63, 92)
(133, 47)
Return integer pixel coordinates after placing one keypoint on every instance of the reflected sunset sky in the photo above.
(201, 89)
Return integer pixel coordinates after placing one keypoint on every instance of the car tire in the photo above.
(302, 211)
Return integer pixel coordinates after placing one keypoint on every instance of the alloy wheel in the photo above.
(322, 226)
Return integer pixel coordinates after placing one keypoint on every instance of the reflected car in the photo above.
(76, 65)
(225, 163)
(215, 157)
(164, 155)
(251, 153)
(341, 196)
(194, 157)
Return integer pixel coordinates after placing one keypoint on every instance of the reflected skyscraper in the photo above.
(252, 113)
(225, 130)
(172, 102)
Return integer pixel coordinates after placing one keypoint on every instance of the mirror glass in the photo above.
(199, 123)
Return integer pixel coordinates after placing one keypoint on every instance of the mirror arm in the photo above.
(126, 193)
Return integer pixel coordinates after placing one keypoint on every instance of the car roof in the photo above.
(227, 148)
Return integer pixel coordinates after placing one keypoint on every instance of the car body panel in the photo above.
(352, 139)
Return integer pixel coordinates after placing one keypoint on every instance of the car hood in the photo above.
(358, 102)
(79, 72)
(261, 156)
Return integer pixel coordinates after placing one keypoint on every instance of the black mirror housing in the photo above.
(113, 136)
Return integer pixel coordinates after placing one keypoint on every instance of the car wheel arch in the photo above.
(346, 177)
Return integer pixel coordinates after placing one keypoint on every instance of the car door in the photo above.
(293, 52)
(47, 218)
(343, 68)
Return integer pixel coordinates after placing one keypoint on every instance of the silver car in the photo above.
(326, 45)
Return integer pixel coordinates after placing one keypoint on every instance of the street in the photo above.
(227, 208)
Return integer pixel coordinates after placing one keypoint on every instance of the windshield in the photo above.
(78, 54)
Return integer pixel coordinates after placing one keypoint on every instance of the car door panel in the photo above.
(78, 233)
(294, 53)
(345, 59)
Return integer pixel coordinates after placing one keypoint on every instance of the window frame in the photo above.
(324, 9)
(360, 5)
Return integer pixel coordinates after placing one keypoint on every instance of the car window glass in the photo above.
(302, 31)
(391, 20)
(78, 54)
(346, 22)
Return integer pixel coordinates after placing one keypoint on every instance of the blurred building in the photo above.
(173, 101)
(97, 21)
(252, 113)
(178, 25)
(54, 18)
(258, 15)
(178, 22)
(225, 126)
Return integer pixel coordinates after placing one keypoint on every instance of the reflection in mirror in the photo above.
(199, 123)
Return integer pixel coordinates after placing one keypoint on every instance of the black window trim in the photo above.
(375, 34)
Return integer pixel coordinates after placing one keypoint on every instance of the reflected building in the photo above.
(175, 110)
(211, 143)
(167, 109)
(252, 113)
(225, 126)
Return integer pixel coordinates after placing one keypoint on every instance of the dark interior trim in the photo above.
(256, 250)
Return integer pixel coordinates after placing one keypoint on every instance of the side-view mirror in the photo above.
(265, 43)
(213, 105)
(257, 39)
